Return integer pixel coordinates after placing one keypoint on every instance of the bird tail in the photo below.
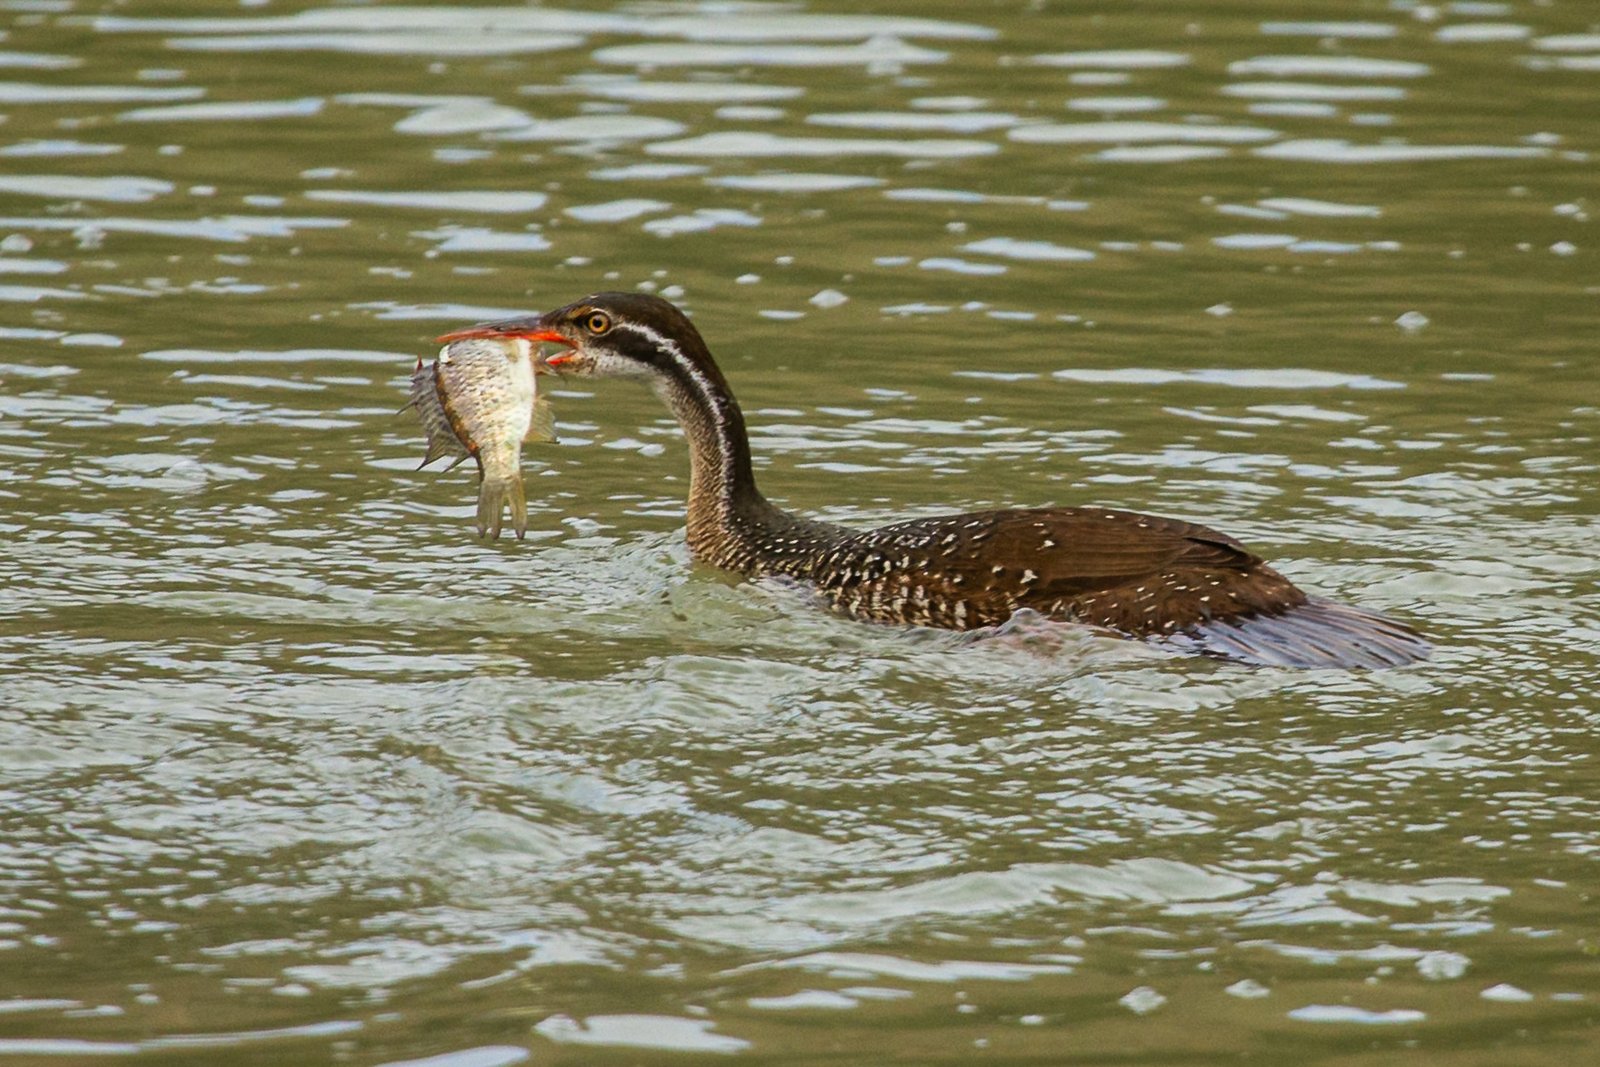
(1317, 633)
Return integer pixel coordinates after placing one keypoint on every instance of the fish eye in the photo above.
(597, 322)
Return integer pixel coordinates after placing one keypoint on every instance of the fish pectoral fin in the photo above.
(542, 426)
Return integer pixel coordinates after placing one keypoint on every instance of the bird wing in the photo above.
(1120, 569)
(1068, 549)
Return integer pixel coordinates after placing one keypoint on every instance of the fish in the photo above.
(480, 398)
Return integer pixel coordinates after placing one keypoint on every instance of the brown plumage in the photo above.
(1135, 575)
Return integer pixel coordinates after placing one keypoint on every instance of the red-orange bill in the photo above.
(531, 328)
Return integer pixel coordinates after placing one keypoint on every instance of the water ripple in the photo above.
(878, 52)
(405, 43)
(117, 190)
(1331, 150)
(1312, 91)
(1130, 59)
(763, 145)
(1125, 132)
(26, 93)
(284, 744)
(917, 122)
(789, 182)
(595, 128)
(612, 88)
(1329, 67)
(486, 201)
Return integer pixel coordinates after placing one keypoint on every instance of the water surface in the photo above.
(294, 769)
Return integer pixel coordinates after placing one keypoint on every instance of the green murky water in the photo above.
(293, 769)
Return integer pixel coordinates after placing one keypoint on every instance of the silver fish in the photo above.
(480, 398)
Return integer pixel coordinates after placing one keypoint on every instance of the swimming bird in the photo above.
(1138, 576)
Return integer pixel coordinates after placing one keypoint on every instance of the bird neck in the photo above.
(728, 517)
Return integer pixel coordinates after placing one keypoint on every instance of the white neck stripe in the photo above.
(708, 393)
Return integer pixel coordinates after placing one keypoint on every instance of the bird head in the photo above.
(611, 335)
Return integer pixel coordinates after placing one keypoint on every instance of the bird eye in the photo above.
(597, 323)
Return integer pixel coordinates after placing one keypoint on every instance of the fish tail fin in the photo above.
(493, 495)
(519, 507)
(1318, 633)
